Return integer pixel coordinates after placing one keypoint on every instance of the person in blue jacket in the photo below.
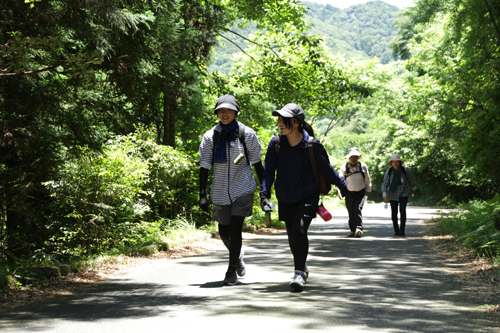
(296, 189)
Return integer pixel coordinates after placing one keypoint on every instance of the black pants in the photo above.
(298, 217)
(394, 213)
(354, 202)
(232, 239)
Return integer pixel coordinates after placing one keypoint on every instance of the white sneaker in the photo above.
(359, 233)
(297, 283)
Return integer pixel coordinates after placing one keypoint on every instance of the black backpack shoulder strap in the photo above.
(241, 137)
(215, 139)
(361, 170)
(347, 169)
(277, 146)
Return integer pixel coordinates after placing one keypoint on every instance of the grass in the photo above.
(472, 227)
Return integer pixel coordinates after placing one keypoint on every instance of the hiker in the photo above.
(396, 188)
(296, 188)
(230, 148)
(359, 188)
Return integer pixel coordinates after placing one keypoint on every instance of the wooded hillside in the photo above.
(359, 32)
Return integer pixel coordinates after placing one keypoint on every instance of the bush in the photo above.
(474, 226)
(100, 200)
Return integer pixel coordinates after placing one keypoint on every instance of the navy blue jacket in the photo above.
(295, 177)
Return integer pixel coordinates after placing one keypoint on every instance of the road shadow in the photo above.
(378, 282)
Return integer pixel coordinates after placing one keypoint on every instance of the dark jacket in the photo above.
(295, 178)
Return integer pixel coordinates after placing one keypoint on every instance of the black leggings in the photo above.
(298, 217)
(231, 237)
(403, 201)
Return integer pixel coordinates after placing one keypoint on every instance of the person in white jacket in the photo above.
(359, 187)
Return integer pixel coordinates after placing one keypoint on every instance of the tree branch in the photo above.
(241, 48)
(492, 18)
(30, 72)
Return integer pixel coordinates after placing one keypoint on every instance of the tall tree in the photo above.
(74, 72)
(453, 47)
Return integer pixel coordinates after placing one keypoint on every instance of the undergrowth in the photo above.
(473, 226)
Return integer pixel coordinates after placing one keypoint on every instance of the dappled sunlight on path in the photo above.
(379, 282)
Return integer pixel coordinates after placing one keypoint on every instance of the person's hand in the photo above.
(385, 199)
(367, 194)
(203, 202)
(264, 202)
(414, 192)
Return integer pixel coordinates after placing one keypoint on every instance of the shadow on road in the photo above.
(377, 283)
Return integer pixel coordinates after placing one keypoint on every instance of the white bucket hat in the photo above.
(353, 152)
(395, 157)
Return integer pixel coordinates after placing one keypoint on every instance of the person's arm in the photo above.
(385, 185)
(259, 170)
(326, 169)
(254, 152)
(203, 203)
(411, 181)
(205, 153)
(268, 173)
(342, 175)
(368, 182)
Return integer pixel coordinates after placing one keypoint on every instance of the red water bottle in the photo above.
(325, 215)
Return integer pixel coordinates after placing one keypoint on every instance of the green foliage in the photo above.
(473, 226)
(450, 96)
(99, 200)
(295, 67)
(359, 32)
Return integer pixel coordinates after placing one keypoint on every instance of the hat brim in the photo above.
(226, 105)
(359, 155)
(283, 113)
(389, 161)
(286, 114)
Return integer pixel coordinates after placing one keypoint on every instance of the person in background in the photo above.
(359, 188)
(297, 192)
(396, 188)
(231, 148)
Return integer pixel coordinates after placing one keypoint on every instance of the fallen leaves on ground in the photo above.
(102, 270)
(480, 277)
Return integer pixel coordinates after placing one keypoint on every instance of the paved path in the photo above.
(379, 283)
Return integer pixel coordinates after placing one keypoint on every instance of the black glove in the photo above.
(203, 202)
(203, 185)
(265, 202)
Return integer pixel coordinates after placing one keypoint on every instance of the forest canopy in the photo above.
(103, 104)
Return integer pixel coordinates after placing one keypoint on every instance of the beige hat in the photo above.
(395, 157)
(353, 152)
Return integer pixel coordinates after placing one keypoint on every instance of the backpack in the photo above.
(241, 137)
(348, 171)
(323, 185)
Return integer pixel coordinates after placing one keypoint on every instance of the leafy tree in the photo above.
(295, 67)
(455, 50)
(74, 73)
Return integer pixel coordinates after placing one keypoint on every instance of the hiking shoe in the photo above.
(306, 274)
(351, 234)
(401, 233)
(297, 283)
(359, 233)
(231, 279)
(241, 268)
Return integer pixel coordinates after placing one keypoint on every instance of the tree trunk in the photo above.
(169, 110)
